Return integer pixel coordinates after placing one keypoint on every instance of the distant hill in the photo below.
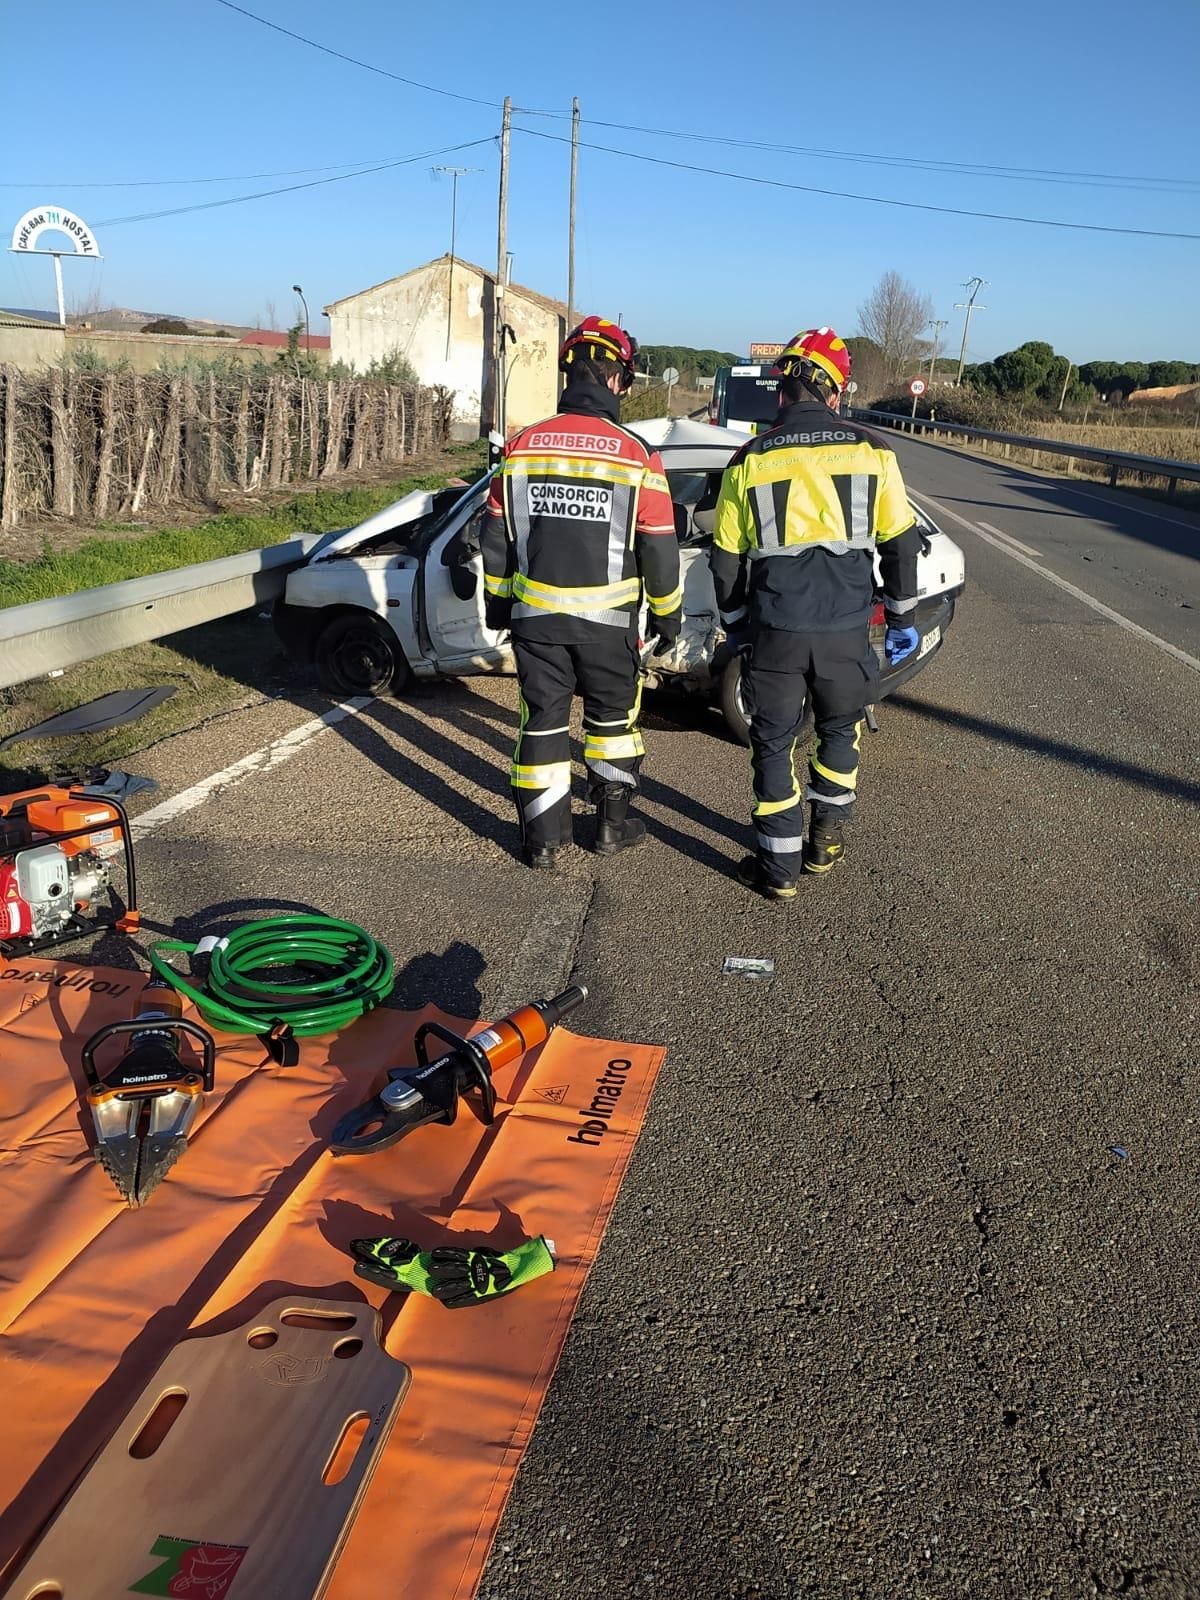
(124, 319)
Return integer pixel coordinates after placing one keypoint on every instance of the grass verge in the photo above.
(100, 561)
(214, 668)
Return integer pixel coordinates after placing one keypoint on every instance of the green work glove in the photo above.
(455, 1277)
(394, 1263)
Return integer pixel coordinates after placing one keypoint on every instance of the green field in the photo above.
(99, 561)
(213, 668)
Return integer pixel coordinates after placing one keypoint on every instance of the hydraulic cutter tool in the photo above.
(429, 1092)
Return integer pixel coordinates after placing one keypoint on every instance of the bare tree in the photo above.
(892, 316)
(84, 307)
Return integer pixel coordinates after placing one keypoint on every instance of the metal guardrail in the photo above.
(1117, 461)
(50, 635)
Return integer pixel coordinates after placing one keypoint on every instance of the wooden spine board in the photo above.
(193, 1492)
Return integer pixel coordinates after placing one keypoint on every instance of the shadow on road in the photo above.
(1072, 755)
(483, 821)
(660, 794)
(1152, 522)
(478, 718)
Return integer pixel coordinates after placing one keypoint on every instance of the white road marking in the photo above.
(265, 760)
(1005, 545)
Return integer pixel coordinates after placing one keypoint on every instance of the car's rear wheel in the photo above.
(731, 696)
(357, 654)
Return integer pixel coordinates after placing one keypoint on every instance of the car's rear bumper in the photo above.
(935, 612)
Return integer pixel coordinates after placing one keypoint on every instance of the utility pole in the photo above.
(969, 306)
(454, 174)
(1066, 380)
(571, 225)
(937, 328)
(501, 270)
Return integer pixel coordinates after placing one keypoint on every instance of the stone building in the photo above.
(441, 317)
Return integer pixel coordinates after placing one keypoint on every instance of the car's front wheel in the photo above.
(357, 654)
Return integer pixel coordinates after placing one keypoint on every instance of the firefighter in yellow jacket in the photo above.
(580, 529)
(802, 509)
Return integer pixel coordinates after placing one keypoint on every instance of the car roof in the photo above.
(685, 444)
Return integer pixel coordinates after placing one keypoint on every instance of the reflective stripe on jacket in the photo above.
(801, 511)
(579, 524)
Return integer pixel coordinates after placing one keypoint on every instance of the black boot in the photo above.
(752, 873)
(539, 856)
(615, 829)
(824, 847)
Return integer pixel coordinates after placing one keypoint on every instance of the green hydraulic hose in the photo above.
(343, 974)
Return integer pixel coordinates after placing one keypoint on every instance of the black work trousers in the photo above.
(839, 672)
(606, 673)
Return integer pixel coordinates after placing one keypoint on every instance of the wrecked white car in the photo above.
(401, 595)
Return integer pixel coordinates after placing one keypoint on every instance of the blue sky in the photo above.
(172, 89)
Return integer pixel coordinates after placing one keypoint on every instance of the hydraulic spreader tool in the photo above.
(144, 1103)
(429, 1092)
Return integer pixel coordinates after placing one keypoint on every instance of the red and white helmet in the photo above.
(820, 348)
(599, 340)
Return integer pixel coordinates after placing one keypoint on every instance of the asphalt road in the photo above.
(900, 1294)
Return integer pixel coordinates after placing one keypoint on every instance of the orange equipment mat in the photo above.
(94, 1295)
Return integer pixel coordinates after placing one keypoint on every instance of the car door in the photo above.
(460, 639)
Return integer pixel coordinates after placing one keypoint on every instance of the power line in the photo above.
(905, 163)
(1036, 174)
(1103, 180)
(291, 188)
(171, 183)
(370, 66)
(868, 199)
(367, 66)
(1142, 183)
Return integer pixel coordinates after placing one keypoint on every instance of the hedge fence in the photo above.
(98, 445)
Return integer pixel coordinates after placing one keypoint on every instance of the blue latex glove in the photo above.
(899, 644)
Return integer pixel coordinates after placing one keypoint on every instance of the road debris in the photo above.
(748, 966)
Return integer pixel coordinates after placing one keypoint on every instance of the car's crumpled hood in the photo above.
(407, 509)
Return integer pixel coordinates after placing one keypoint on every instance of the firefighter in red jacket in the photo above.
(579, 529)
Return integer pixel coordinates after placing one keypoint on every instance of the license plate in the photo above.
(930, 642)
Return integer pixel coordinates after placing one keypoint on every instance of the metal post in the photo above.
(1066, 380)
(937, 328)
(62, 309)
(296, 289)
(454, 174)
(502, 265)
(453, 241)
(969, 306)
(571, 224)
